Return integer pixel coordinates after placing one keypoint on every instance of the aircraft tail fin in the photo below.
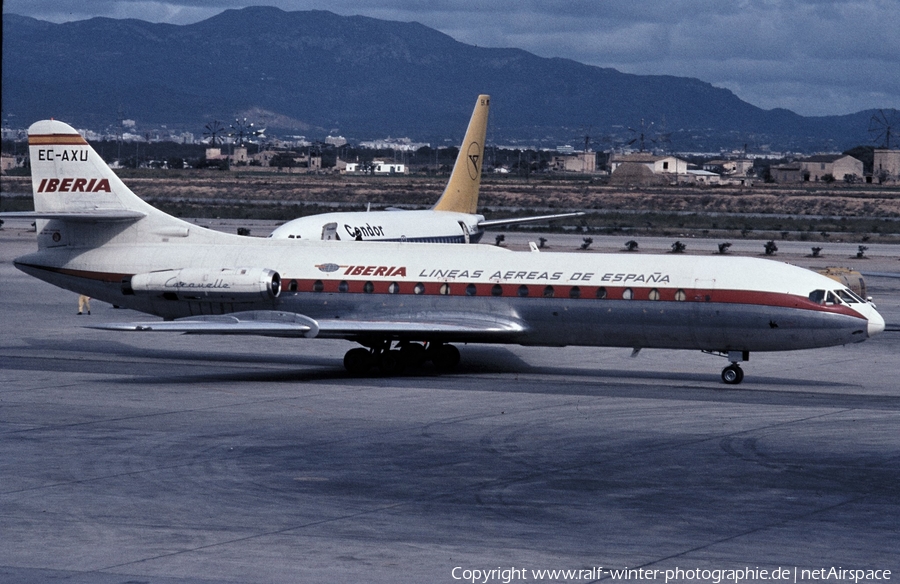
(73, 188)
(68, 176)
(461, 193)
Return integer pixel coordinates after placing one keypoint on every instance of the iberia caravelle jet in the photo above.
(405, 303)
(451, 220)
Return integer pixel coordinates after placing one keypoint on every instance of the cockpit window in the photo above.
(855, 295)
(845, 296)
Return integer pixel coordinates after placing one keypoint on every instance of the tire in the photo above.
(444, 357)
(358, 361)
(390, 363)
(413, 354)
(732, 375)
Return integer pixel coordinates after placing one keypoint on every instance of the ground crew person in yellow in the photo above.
(84, 304)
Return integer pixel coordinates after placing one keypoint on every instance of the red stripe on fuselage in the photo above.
(486, 290)
(84, 274)
(603, 293)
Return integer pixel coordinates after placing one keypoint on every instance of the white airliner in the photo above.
(407, 303)
(452, 219)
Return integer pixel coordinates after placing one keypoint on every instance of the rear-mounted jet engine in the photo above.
(204, 285)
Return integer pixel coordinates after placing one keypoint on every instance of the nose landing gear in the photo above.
(733, 374)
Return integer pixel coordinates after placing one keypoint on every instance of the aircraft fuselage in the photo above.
(646, 301)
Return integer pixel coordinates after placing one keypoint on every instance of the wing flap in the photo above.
(288, 324)
(257, 322)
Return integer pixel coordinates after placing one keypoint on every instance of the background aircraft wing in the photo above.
(501, 222)
(429, 326)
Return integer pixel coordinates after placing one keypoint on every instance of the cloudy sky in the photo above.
(815, 57)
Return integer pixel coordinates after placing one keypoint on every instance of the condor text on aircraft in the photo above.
(407, 303)
(451, 220)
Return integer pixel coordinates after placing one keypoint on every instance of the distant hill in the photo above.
(316, 72)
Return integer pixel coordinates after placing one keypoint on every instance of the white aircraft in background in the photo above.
(406, 303)
(452, 219)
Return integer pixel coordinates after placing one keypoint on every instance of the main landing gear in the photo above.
(733, 374)
(393, 361)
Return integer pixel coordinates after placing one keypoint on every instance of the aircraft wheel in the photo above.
(358, 361)
(733, 374)
(390, 362)
(444, 357)
(413, 354)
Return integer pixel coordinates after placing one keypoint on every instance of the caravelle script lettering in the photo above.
(176, 283)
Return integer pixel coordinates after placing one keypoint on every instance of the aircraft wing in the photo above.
(501, 222)
(257, 322)
(434, 326)
(289, 324)
(95, 216)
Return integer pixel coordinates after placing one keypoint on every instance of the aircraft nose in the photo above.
(876, 323)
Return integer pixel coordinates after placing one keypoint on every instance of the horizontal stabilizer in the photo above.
(502, 222)
(98, 216)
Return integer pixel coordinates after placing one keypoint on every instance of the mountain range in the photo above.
(315, 73)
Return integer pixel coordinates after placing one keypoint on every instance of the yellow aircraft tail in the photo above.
(461, 194)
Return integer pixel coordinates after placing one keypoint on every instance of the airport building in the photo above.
(886, 167)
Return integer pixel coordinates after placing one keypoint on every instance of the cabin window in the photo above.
(574, 292)
(627, 294)
(368, 287)
(653, 294)
(292, 286)
(394, 288)
(471, 290)
(680, 295)
(445, 289)
(343, 286)
(522, 291)
(496, 290)
(601, 292)
(318, 286)
(548, 292)
(420, 288)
